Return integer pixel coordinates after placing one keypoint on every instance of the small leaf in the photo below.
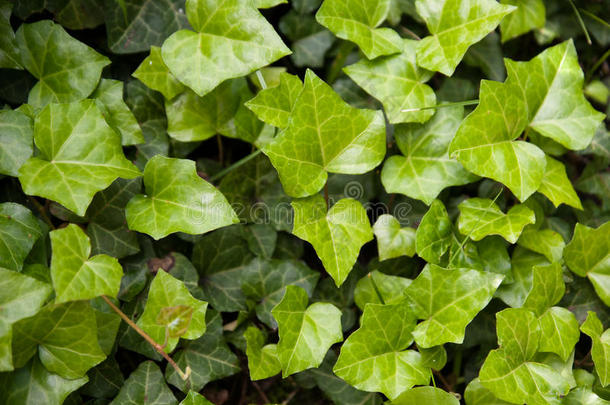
(166, 291)
(375, 357)
(593, 328)
(547, 289)
(145, 386)
(318, 140)
(155, 74)
(557, 186)
(79, 156)
(529, 15)
(75, 275)
(16, 135)
(392, 240)
(455, 26)
(448, 301)
(19, 230)
(433, 235)
(273, 105)
(221, 50)
(194, 398)
(426, 168)
(480, 217)
(262, 359)
(337, 234)
(177, 200)
(306, 333)
(357, 21)
(67, 69)
(546, 242)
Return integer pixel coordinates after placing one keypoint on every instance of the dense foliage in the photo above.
(304, 202)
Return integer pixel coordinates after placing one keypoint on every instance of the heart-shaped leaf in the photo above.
(392, 240)
(262, 359)
(155, 74)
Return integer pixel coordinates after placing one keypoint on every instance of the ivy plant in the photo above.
(304, 202)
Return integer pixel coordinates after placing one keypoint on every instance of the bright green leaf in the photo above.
(262, 359)
(193, 398)
(529, 15)
(547, 289)
(426, 395)
(16, 136)
(273, 105)
(433, 235)
(156, 75)
(593, 328)
(392, 240)
(560, 332)
(19, 230)
(546, 242)
(557, 186)
(376, 284)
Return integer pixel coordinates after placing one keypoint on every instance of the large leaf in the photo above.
(262, 359)
(588, 255)
(136, 25)
(337, 234)
(600, 348)
(231, 39)
(64, 336)
(455, 25)
(392, 240)
(398, 83)
(324, 134)
(19, 230)
(67, 69)
(145, 386)
(155, 74)
(426, 168)
(306, 332)
(166, 292)
(448, 301)
(79, 156)
(177, 200)
(16, 135)
(529, 15)
(480, 217)
(375, 357)
(357, 21)
(75, 275)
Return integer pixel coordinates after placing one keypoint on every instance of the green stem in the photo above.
(581, 22)
(235, 165)
(467, 102)
(261, 79)
(596, 66)
(594, 17)
(334, 70)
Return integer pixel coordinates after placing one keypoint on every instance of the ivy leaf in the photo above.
(433, 235)
(593, 328)
(556, 185)
(528, 16)
(155, 74)
(145, 386)
(588, 255)
(524, 263)
(109, 99)
(222, 47)
(16, 135)
(67, 69)
(398, 83)
(306, 333)
(135, 25)
(427, 395)
(261, 239)
(19, 230)
(448, 301)
(65, 337)
(176, 320)
(426, 168)
(75, 275)
(166, 291)
(357, 21)
(560, 333)
(392, 240)
(10, 56)
(318, 140)
(547, 287)
(375, 357)
(41, 386)
(455, 26)
(262, 359)
(265, 282)
(273, 105)
(477, 394)
(337, 234)
(77, 14)
(193, 398)
(376, 286)
(546, 242)
(79, 156)
(480, 217)
(177, 200)
(209, 357)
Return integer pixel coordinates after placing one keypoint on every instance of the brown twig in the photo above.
(261, 393)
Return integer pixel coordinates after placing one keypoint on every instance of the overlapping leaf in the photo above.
(262, 359)
(392, 240)
(156, 75)
(529, 15)
(434, 233)
(600, 338)
(16, 135)
(19, 230)
(273, 105)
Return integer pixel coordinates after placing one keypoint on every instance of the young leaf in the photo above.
(262, 359)
(593, 328)
(337, 234)
(588, 255)
(392, 240)
(177, 200)
(19, 230)
(448, 301)
(75, 275)
(529, 15)
(455, 26)
(319, 139)
(357, 21)
(222, 46)
(306, 333)
(547, 289)
(16, 135)
(155, 74)
(145, 386)
(67, 69)
(433, 235)
(64, 336)
(398, 83)
(166, 291)
(79, 156)
(426, 168)
(480, 217)
(375, 357)
(273, 105)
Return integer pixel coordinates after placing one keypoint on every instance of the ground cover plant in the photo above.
(304, 202)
